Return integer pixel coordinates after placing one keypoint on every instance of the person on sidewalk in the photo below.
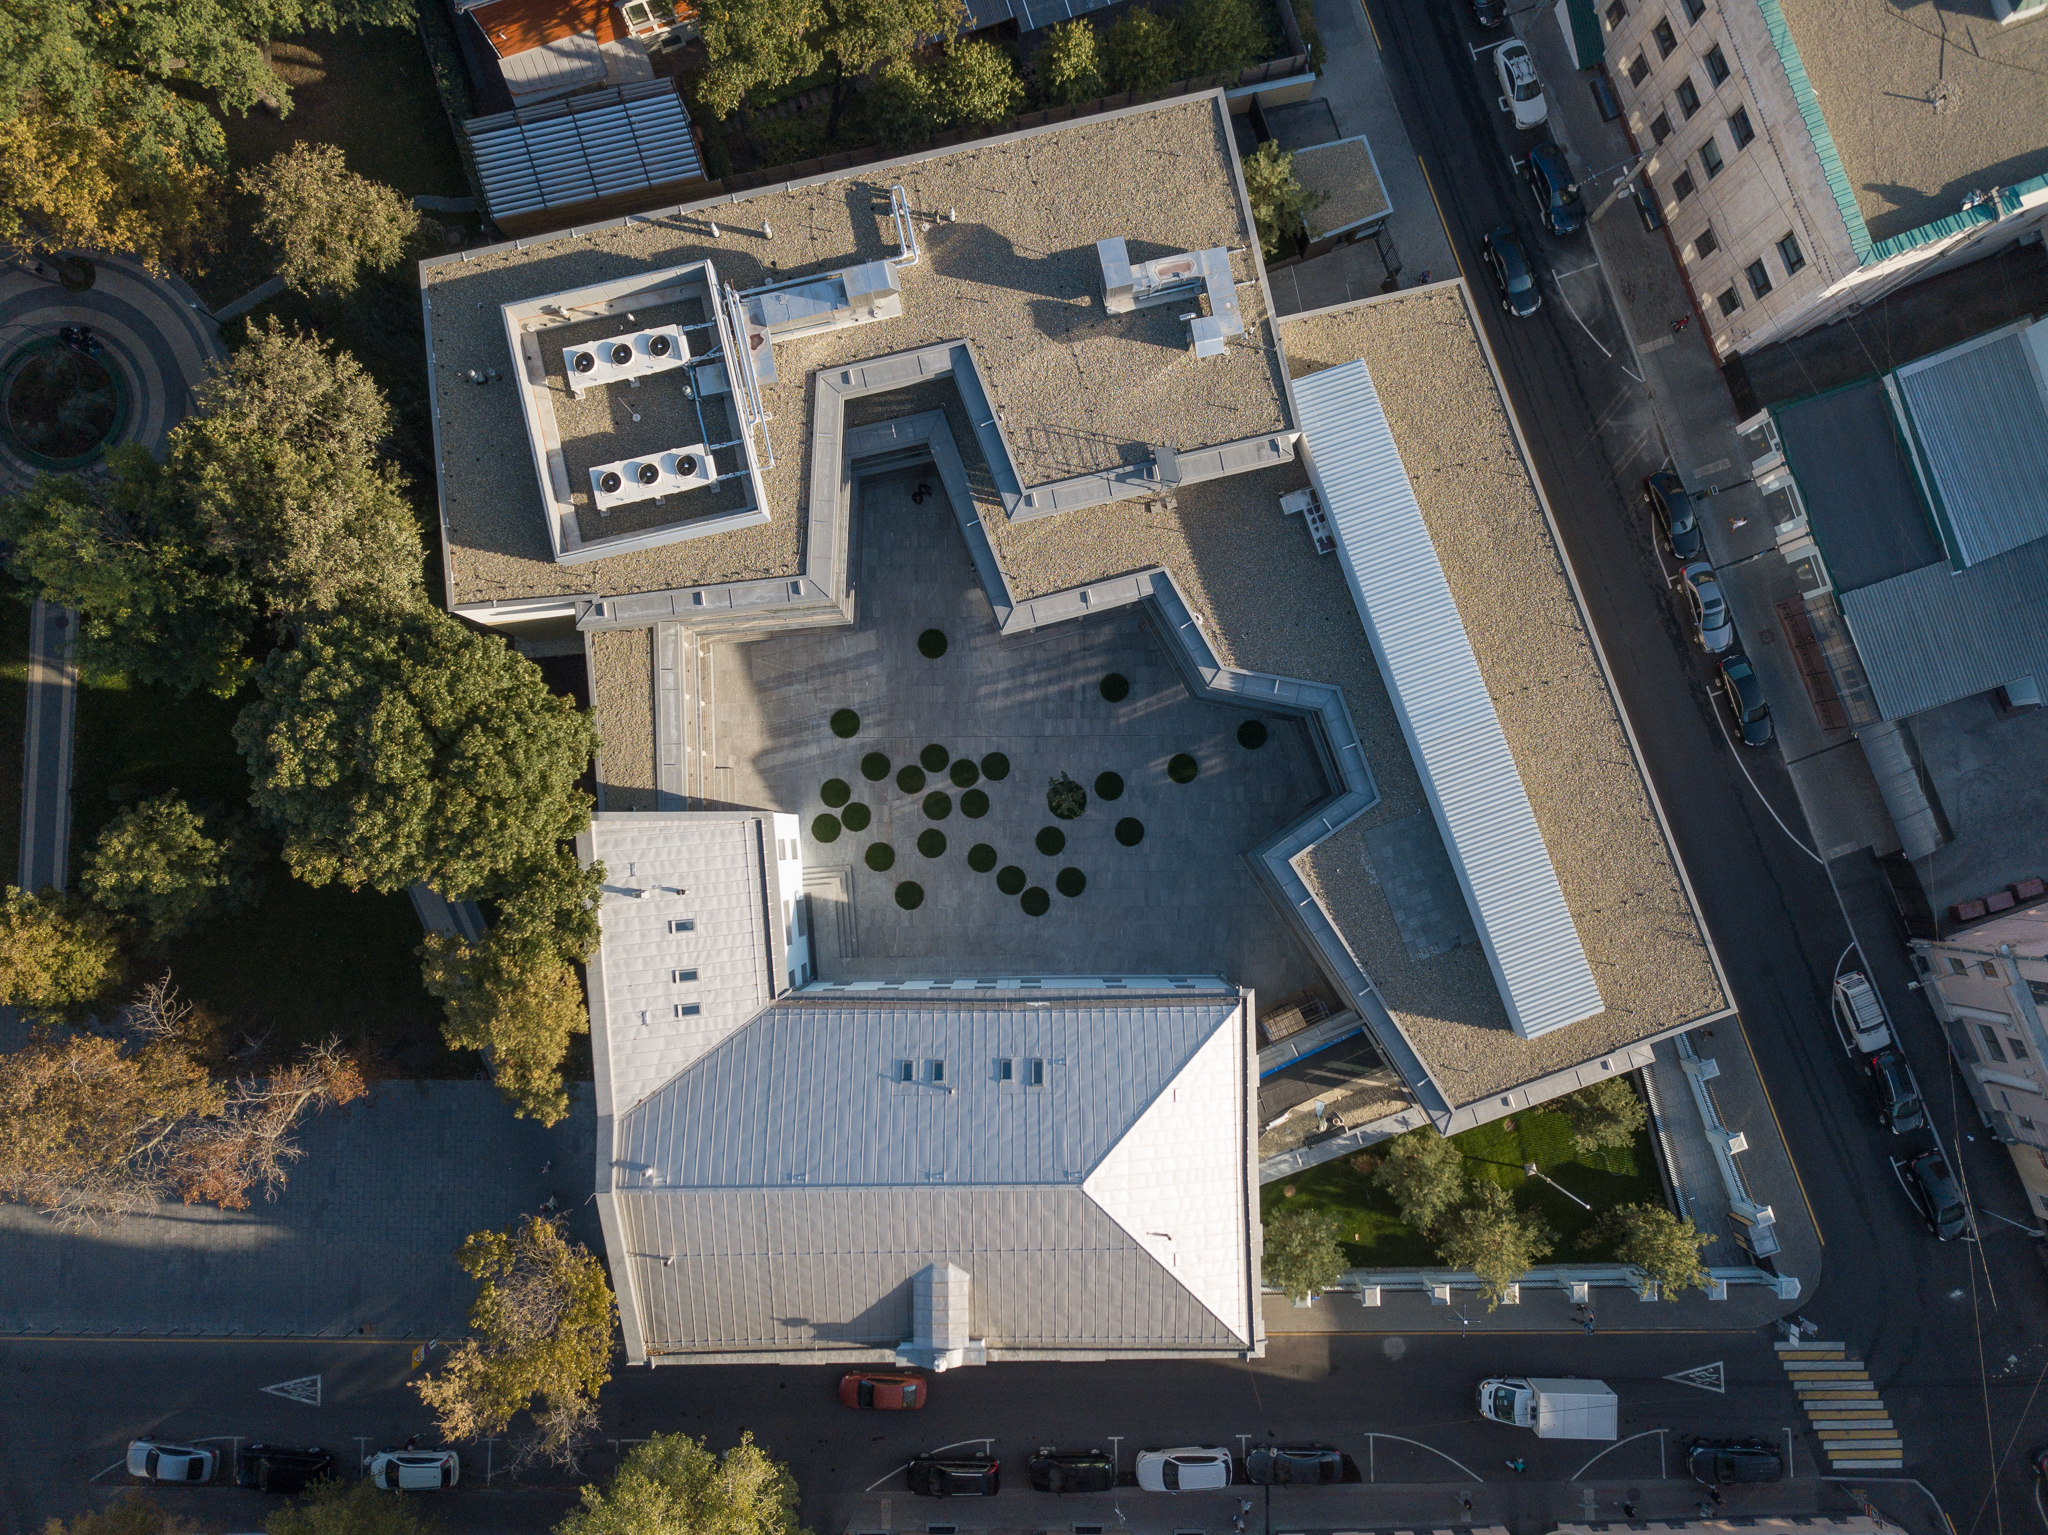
(1680, 323)
(1518, 1465)
(1628, 1509)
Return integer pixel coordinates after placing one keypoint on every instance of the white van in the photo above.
(1859, 1016)
(413, 1470)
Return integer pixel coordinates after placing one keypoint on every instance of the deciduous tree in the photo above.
(517, 1000)
(754, 45)
(58, 956)
(549, 905)
(1424, 1174)
(673, 1485)
(1280, 203)
(1494, 1239)
(1303, 1256)
(543, 1317)
(1070, 63)
(1141, 52)
(131, 1514)
(410, 748)
(65, 184)
(975, 85)
(1664, 1247)
(862, 35)
(1610, 1112)
(157, 861)
(343, 1508)
(326, 222)
(1219, 36)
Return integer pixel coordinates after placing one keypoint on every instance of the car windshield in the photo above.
(1906, 1108)
(866, 1393)
(1528, 88)
(1504, 1403)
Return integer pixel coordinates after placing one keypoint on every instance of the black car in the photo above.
(1746, 697)
(1082, 1471)
(1489, 13)
(1294, 1465)
(1512, 274)
(280, 1468)
(1899, 1108)
(1676, 516)
(955, 1476)
(1725, 1462)
(1549, 176)
(1932, 1188)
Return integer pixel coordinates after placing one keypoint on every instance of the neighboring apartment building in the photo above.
(1988, 984)
(1811, 157)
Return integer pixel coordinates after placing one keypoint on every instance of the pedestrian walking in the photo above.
(1587, 1321)
(1737, 522)
(1465, 1502)
(1680, 323)
(1715, 1494)
(1706, 1510)
(1518, 1465)
(546, 1167)
(1628, 1509)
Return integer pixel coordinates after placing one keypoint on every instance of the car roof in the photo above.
(1549, 156)
(1737, 667)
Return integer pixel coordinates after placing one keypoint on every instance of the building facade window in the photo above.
(1710, 157)
(1992, 1048)
(1616, 13)
(1681, 187)
(1957, 967)
(1759, 278)
(1638, 69)
(1730, 301)
(1660, 127)
(1739, 128)
(1688, 97)
(1694, 10)
(2019, 1051)
(1705, 244)
(1667, 40)
(1988, 968)
(1717, 64)
(2040, 991)
(1795, 258)
(1006, 1069)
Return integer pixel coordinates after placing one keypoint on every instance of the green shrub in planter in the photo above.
(910, 779)
(1052, 842)
(1130, 831)
(931, 843)
(981, 858)
(934, 758)
(938, 805)
(856, 816)
(1109, 786)
(932, 644)
(880, 857)
(874, 767)
(1071, 882)
(1065, 798)
(1011, 879)
(1035, 901)
(837, 791)
(1116, 687)
(826, 828)
(964, 773)
(974, 804)
(995, 767)
(910, 895)
(1182, 768)
(845, 724)
(1251, 735)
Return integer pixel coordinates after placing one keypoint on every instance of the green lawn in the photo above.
(303, 963)
(1374, 1236)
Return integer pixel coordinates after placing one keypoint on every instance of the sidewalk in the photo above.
(46, 749)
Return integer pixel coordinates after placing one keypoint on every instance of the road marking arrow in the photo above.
(1708, 1377)
(306, 1390)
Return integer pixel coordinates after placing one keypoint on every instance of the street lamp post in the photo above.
(1529, 1171)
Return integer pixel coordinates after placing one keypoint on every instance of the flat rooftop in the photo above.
(1006, 229)
(1926, 104)
(1856, 481)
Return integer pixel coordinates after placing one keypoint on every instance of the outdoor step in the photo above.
(1796, 1349)
(1875, 1465)
(1840, 1394)
(1857, 1438)
(1793, 1357)
(1877, 1419)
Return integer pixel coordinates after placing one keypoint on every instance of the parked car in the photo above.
(1676, 516)
(1746, 697)
(1293, 1465)
(1489, 13)
(1932, 1188)
(1549, 176)
(956, 1476)
(1189, 1469)
(158, 1460)
(1859, 1015)
(1521, 93)
(280, 1468)
(1509, 262)
(1085, 1471)
(1716, 631)
(891, 1393)
(413, 1470)
(1896, 1092)
(1722, 1462)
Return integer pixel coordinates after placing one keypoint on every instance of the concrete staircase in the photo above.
(1854, 1426)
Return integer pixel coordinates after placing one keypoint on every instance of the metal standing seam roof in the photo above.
(589, 146)
(1028, 14)
(1978, 417)
(1441, 698)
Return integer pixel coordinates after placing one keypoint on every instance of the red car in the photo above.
(892, 1392)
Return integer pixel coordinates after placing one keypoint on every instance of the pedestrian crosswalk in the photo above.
(1855, 1430)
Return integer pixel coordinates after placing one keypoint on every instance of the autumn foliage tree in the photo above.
(673, 1485)
(326, 222)
(58, 955)
(158, 862)
(520, 1002)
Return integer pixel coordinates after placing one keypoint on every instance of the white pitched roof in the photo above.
(1440, 695)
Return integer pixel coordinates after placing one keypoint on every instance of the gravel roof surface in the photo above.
(1017, 276)
(1344, 171)
(622, 695)
(1925, 104)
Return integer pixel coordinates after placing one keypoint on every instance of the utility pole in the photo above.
(1620, 185)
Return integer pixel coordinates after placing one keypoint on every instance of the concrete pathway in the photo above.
(46, 749)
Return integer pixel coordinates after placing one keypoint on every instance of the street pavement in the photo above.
(46, 748)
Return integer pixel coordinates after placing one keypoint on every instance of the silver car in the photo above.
(1709, 608)
(158, 1460)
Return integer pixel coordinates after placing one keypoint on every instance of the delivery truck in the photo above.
(1556, 1409)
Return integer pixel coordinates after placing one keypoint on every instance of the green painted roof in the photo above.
(2008, 201)
(1588, 41)
(1816, 128)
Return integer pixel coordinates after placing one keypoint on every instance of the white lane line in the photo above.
(1591, 266)
(1432, 1450)
(1715, 700)
(1632, 1438)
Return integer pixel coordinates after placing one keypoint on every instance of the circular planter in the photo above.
(1182, 768)
(995, 767)
(845, 724)
(910, 779)
(932, 644)
(974, 804)
(874, 767)
(1109, 786)
(837, 791)
(855, 817)
(1065, 799)
(910, 895)
(1116, 687)
(1251, 735)
(1011, 879)
(1052, 842)
(964, 773)
(938, 805)
(1130, 831)
(60, 408)
(880, 857)
(1035, 901)
(981, 858)
(826, 828)
(934, 758)
(931, 843)
(1071, 882)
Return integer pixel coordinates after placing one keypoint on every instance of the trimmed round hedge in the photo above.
(880, 857)
(964, 773)
(1011, 879)
(1116, 687)
(845, 724)
(826, 828)
(910, 895)
(855, 817)
(938, 805)
(1182, 768)
(1071, 882)
(934, 758)
(1130, 831)
(931, 843)
(981, 858)
(974, 804)
(932, 644)
(1251, 735)
(1052, 841)
(1035, 901)
(874, 767)
(995, 767)
(837, 791)
(1065, 799)
(910, 779)
(1109, 786)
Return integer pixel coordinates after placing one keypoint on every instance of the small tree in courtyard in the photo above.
(1608, 1113)
(1280, 203)
(1494, 1239)
(1424, 1174)
(974, 85)
(1303, 1256)
(1664, 1247)
(326, 222)
(1070, 63)
(345, 1508)
(1141, 52)
(157, 862)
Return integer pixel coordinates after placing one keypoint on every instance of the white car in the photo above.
(1709, 608)
(156, 1460)
(1520, 91)
(1190, 1469)
(413, 1470)
(1859, 1016)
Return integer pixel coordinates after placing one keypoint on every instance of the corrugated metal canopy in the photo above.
(1433, 678)
(1936, 635)
(585, 147)
(1979, 418)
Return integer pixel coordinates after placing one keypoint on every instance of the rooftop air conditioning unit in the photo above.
(650, 476)
(622, 357)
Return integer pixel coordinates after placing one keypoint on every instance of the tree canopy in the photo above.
(58, 956)
(157, 862)
(1141, 52)
(1070, 63)
(862, 35)
(1494, 1239)
(1607, 1113)
(544, 1317)
(1219, 37)
(326, 222)
(516, 999)
(1664, 1247)
(974, 85)
(1280, 203)
(1303, 1256)
(754, 45)
(1424, 1174)
(353, 1507)
(673, 1485)
(412, 748)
